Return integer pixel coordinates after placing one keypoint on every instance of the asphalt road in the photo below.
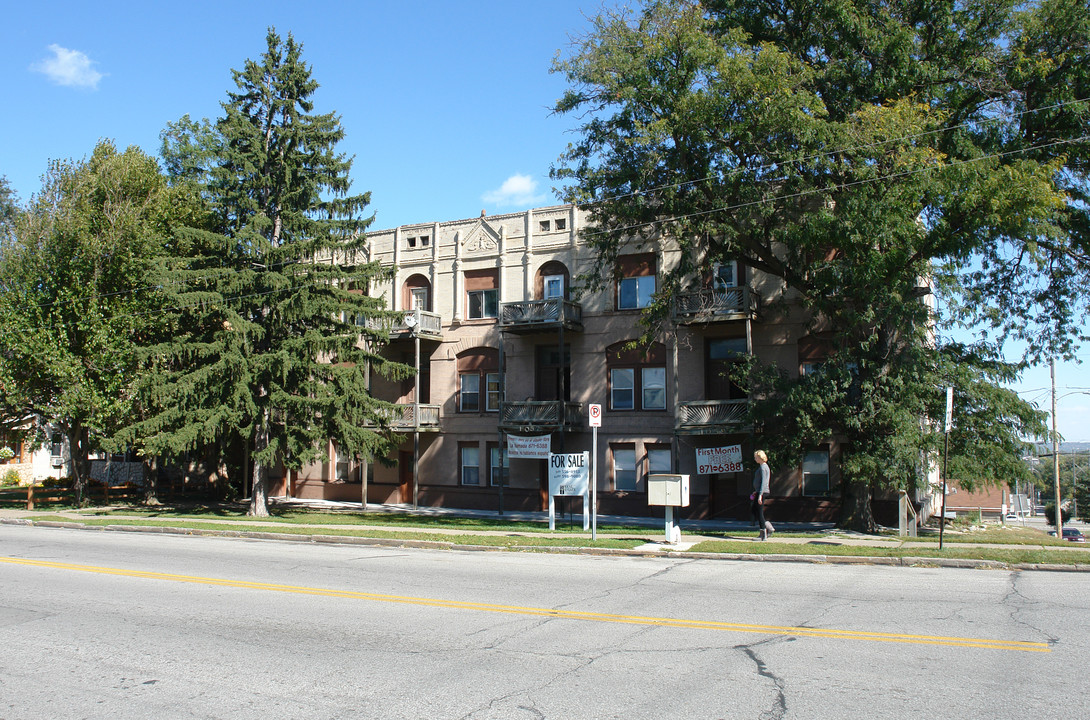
(111, 625)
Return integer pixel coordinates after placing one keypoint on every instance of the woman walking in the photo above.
(760, 488)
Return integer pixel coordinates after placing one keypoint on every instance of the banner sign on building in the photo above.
(537, 447)
(726, 459)
(569, 473)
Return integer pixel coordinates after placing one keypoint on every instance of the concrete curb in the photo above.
(907, 561)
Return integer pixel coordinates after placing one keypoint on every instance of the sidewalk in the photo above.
(653, 529)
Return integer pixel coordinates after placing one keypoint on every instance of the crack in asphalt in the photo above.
(1018, 604)
(779, 703)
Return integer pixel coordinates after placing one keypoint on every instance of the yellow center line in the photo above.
(986, 643)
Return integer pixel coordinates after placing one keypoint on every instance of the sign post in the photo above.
(595, 423)
(568, 475)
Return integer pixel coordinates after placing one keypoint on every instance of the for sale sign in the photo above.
(726, 459)
(569, 473)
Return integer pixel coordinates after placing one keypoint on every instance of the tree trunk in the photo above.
(151, 481)
(259, 500)
(77, 445)
(855, 508)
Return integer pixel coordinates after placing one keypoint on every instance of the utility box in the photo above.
(669, 490)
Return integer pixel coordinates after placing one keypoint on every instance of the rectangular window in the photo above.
(815, 473)
(496, 470)
(425, 240)
(624, 468)
(471, 465)
(554, 286)
(622, 389)
(654, 388)
(544, 226)
(561, 224)
(469, 399)
(492, 392)
(659, 460)
(411, 242)
(56, 445)
(419, 299)
(483, 304)
(725, 275)
(636, 292)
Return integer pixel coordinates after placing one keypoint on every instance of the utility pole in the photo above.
(1056, 454)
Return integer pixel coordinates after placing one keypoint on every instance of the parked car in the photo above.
(1071, 534)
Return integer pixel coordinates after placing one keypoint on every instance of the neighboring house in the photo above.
(504, 345)
(52, 460)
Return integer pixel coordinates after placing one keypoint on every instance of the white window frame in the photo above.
(718, 282)
(419, 298)
(473, 378)
(469, 457)
(659, 460)
(485, 298)
(655, 385)
(619, 390)
(815, 465)
(554, 282)
(643, 295)
(623, 457)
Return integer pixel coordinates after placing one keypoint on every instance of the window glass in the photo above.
(622, 388)
(635, 292)
(492, 388)
(658, 460)
(471, 466)
(554, 286)
(470, 397)
(726, 275)
(624, 468)
(654, 388)
(494, 467)
(420, 298)
(815, 473)
(483, 304)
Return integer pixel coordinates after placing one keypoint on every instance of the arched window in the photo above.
(479, 380)
(416, 293)
(637, 377)
(552, 281)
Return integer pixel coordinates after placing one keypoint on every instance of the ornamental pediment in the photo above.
(481, 238)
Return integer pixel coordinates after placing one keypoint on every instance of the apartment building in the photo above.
(507, 343)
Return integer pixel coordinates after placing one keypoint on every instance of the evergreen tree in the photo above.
(269, 343)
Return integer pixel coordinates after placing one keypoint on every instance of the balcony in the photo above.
(403, 418)
(543, 416)
(715, 305)
(710, 417)
(410, 324)
(533, 316)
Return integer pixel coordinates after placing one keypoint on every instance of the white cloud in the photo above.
(517, 190)
(70, 68)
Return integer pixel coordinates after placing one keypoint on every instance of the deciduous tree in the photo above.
(862, 154)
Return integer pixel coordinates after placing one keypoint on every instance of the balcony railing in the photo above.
(541, 415)
(710, 416)
(713, 304)
(533, 315)
(403, 417)
(411, 322)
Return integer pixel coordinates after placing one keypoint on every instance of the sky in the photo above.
(445, 106)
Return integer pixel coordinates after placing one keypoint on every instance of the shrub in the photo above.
(10, 478)
(1050, 514)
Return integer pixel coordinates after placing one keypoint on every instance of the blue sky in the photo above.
(445, 105)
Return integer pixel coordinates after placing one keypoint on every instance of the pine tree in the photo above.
(269, 343)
